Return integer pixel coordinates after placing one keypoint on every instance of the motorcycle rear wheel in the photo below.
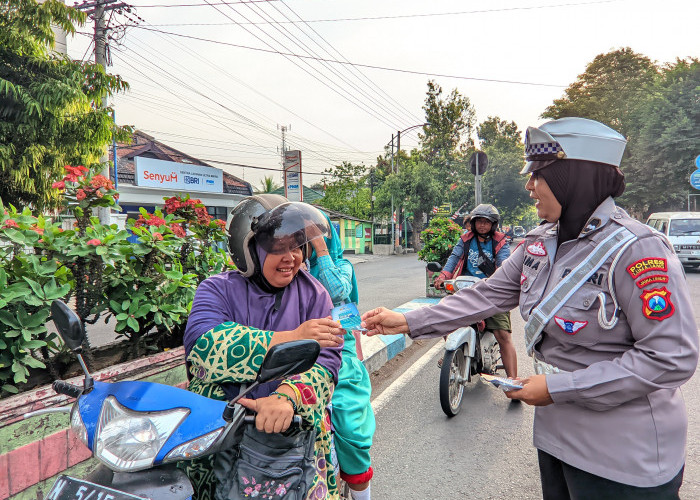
(452, 375)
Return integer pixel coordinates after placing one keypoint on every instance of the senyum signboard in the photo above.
(182, 177)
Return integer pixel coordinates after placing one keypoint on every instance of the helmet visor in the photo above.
(289, 226)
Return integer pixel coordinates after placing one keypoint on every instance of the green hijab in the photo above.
(335, 250)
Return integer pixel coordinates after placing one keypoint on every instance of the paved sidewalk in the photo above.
(381, 348)
(359, 258)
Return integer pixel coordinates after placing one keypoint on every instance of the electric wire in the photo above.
(353, 100)
(370, 66)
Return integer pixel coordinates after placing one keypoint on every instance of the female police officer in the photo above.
(609, 324)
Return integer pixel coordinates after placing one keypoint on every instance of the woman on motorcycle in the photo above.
(478, 253)
(610, 324)
(352, 415)
(238, 315)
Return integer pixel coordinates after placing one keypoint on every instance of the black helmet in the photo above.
(276, 224)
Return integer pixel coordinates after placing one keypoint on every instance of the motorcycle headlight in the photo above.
(77, 425)
(129, 440)
(193, 449)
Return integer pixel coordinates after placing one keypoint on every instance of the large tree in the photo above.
(502, 183)
(608, 90)
(347, 190)
(664, 142)
(50, 105)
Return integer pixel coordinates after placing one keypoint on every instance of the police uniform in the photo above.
(617, 348)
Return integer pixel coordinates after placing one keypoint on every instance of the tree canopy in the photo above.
(50, 105)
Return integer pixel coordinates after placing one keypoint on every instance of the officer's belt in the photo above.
(546, 309)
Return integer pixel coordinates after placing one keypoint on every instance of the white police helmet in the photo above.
(572, 139)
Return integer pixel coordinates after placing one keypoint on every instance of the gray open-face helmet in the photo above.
(572, 139)
(274, 223)
(485, 211)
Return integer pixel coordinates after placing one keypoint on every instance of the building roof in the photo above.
(310, 195)
(145, 145)
(339, 215)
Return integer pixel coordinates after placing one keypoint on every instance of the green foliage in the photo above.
(502, 184)
(348, 191)
(148, 285)
(439, 238)
(656, 108)
(50, 105)
(267, 185)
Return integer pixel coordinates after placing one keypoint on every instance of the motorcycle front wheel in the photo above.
(452, 376)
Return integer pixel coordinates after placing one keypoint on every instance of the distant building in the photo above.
(149, 171)
(357, 235)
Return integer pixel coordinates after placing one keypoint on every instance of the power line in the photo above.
(398, 16)
(202, 4)
(370, 66)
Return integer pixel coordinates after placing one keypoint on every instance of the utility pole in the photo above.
(393, 221)
(284, 129)
(96, 10)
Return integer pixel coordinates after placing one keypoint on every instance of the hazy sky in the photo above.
(213, 96)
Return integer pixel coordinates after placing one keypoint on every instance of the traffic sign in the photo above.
(695, 179)
(483, 161)
(697, 162)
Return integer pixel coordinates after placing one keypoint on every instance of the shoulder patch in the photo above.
(537, 248)
(654, 278)
(645, 265)
(656, 304)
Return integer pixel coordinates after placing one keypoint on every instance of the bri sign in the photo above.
(183, 177)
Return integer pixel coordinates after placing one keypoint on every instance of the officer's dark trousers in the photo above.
(561, 481)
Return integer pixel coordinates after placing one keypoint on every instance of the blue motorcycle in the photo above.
(140, 430)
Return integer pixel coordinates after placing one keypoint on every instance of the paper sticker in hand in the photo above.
(506, 384)
(348, 316)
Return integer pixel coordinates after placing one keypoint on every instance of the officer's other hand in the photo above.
(534, 391)
(382, 321)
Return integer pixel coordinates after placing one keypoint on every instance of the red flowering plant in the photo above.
(205, 255)
(83, 191)
(439, 238)
(151, 290)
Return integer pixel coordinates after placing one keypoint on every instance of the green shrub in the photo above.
(439, 238)
(148, 286)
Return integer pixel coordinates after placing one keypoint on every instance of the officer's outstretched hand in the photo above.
(534, 391)
(382, 321)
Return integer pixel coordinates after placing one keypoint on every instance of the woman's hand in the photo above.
(274, 414)
(382, 321)
(325, 331)
(320, 247)
(534, 391)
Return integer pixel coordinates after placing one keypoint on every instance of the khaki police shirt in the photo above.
(618, 412)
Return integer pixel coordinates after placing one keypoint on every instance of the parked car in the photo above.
(683, 231)
(519, 232)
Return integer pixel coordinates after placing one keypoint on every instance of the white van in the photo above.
(683, 231)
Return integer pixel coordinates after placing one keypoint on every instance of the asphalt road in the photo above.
(486, 451)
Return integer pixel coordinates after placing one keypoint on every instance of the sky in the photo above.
(217, 79)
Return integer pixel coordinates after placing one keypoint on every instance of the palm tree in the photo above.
(268, 185)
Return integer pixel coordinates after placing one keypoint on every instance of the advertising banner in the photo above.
(292, 176)
(174, 176)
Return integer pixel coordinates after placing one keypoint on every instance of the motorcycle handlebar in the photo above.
(250, 420)
(71, 390)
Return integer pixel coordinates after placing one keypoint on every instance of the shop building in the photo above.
(149, 171)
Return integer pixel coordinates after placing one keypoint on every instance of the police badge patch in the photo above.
(537, 248)
(656, 304)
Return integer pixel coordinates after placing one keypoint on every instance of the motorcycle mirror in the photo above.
(434, 267)
(288, 358)
(68, 325)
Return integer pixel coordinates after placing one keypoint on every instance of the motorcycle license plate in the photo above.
(70, 488)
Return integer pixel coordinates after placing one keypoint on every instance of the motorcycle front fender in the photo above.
(461, 336)
(166, 482)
